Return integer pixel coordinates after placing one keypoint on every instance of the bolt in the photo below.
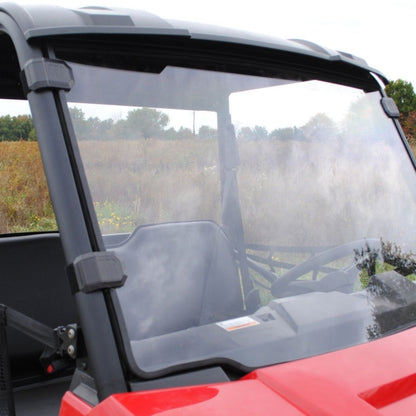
(82, 365)
(71, 333)
(71, 350)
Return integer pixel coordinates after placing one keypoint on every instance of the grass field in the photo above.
(24, 198)
(155, 181)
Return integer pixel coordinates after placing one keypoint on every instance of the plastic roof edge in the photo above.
(41, 21)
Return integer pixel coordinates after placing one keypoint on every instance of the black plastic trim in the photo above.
(43, 73)
(96, 271)
(154, 53)
(390, 107)
(100, 30)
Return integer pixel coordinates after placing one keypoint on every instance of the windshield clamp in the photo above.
(95, 271)
(38, 74)
(390, 107)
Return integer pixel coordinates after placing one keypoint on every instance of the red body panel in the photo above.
(378, 378)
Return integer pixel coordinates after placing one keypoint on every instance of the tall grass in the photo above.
(150, 181)
(25, 204)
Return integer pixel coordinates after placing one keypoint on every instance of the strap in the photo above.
(30, 327)
(59, 342)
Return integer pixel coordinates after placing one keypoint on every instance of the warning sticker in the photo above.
(237, 323)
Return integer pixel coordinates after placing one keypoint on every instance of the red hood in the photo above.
(378, 378)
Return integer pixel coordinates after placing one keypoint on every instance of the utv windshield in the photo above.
(259, 219)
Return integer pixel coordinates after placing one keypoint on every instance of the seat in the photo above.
(180, 275)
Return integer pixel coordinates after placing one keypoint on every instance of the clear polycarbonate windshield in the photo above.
(259, 220)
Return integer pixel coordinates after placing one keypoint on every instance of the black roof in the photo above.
(50, 20)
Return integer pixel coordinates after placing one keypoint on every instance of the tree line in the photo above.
(17, 128)
(151, 123)
(148, 123)
(140, 123)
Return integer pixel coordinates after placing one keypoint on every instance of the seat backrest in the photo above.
(180, 275)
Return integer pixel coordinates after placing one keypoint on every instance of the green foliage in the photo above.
(113, 217)
(16, 128)
(320, 127)
(91, 128)
(171, 134)
(403, 94)
(150, 123)
(145, 123)
(260, 133)
(287, 133)
(185, 133)
(256, 133)
(246, 134)
(207, 133)
(140, 123)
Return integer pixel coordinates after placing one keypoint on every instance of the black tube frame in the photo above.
(78, 234)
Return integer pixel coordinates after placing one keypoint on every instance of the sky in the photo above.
(380, 31)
